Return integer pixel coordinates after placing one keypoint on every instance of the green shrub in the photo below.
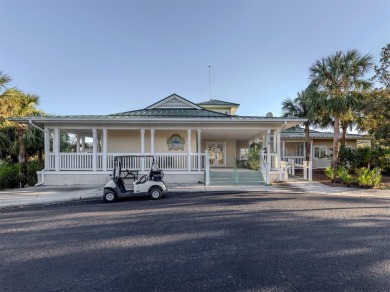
(330, 173)
(9, 176)
(369, 178)
(343, 174)
(253, 157)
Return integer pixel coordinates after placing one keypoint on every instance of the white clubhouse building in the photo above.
(187, 140)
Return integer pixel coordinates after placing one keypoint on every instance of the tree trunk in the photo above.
(343, 134)
(336, 142)
(307, 143)
(22, 158)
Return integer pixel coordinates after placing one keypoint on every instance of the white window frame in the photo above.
(314, 152)
(297, 150)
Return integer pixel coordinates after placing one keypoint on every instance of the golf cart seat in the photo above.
(156, 175)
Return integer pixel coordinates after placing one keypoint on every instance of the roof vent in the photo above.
(269, 115)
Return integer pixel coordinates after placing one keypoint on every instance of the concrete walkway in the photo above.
(56, 194)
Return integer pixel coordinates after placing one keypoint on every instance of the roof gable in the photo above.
(174, 101)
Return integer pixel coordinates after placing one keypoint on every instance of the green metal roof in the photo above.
(217, 102)
(297, 132)
(171, 113)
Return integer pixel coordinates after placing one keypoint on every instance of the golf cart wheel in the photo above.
(109, 197)
(155, 193)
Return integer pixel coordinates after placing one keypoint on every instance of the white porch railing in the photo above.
(166, 161)
(297, 159)
(306, 166)
(72, 161)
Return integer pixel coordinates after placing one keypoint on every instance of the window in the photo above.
(319, 152)
(300, 150)
(244, 152)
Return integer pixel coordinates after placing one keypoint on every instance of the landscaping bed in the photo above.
(319, 176)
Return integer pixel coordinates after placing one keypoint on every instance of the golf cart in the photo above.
(150, 183)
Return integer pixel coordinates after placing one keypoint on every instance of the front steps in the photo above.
(227, 176)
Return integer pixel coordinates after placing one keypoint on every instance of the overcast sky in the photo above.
(102, 57)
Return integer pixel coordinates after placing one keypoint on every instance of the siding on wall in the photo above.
(129, 141)
(123, 141)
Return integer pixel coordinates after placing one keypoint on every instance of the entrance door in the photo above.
(217, 153)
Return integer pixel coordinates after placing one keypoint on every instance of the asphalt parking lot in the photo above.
(199, 241)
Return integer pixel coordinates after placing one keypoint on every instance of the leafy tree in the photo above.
(375, 116)
(382, 73)
(375, 111)
(299, 107)
(338, 79)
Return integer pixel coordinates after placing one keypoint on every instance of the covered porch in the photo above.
(91, 158)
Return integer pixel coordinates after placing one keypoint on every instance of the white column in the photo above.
(284, 150)
(47, 148)
(142, 148)
(277, 149)
(104, 146)
(274, 141)
(199, 131)
(77, 143)
(56, 148)
(189, 149)
(94, 149)
(268, 165)
(152, 141)
(83, 143)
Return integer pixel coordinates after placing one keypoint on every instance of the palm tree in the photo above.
(338, 78)
(299, 107)
(15, 103)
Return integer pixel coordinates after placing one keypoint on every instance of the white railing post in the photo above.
(305, 167)
(104, 158)
(199, 149)
(281, 169)
(189, 149)
(310, 171)
(56, 149)
(292, 167)
(207, 168)
(94, 149)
